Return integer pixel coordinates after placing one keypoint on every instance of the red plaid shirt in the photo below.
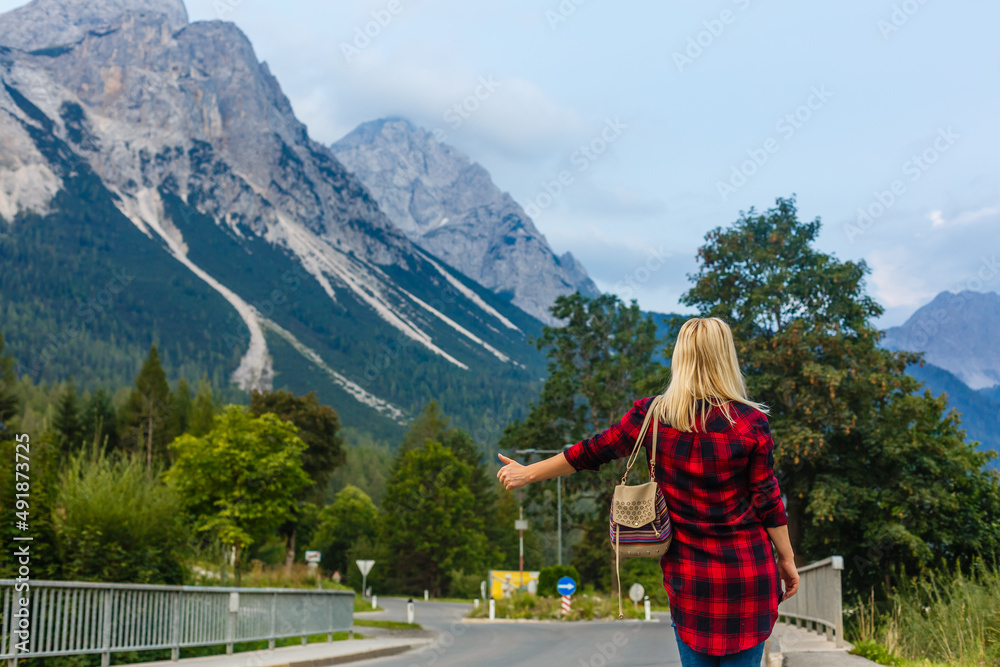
(719, 484)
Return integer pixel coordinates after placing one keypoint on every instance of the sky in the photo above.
(629, 129)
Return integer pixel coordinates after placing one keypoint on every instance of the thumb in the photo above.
(505, 459)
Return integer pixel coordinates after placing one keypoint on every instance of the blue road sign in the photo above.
(566, 586)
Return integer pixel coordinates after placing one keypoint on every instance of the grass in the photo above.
(946, 617)
(389, 625)
(585, 607)
(361, 604)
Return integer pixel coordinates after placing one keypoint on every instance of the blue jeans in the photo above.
(691, 658)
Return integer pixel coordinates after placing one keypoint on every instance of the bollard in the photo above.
(426, 595)
(649, 612)
(493, 609)
(374, 602)
(409, 610)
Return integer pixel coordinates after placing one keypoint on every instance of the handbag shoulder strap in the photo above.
(638, 442)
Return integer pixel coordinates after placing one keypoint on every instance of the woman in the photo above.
(715, 467)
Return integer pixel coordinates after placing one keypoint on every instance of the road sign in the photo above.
(312, 556)
(520, 524)
(365, 566)
(566, 586)
(636, 592)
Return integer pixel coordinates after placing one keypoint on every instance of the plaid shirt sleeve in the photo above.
(764, 491)
(613, 443)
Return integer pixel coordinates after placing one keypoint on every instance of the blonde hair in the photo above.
(704, 367)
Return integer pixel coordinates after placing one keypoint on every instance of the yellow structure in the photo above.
(504, 582)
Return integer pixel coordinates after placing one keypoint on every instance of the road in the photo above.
(477, 644)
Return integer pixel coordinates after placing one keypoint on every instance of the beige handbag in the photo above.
(640, 523)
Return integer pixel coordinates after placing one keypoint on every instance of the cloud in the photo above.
(966, 217)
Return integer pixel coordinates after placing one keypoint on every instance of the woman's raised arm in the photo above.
(514, 475)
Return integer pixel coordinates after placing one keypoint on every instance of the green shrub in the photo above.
(548, 577)
(945, 616)
(116, 523)
(464, 585)
(876, 653)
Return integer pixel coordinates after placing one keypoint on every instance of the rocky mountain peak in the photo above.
(956, 332)
(449, 205)
(47, 23)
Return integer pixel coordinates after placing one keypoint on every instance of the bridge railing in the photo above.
(73, 618)
(818, 605)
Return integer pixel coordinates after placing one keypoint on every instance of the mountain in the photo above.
(155, 186)
(956, 332)
(450, 206)
(980, 414)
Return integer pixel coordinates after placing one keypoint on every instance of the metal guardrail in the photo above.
(818, 605)
(73, 618)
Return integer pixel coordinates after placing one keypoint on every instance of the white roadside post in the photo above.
(409, 611)
(475, 603)
(493, 609)
(649, 612)
(426, 595)
(365, 566)
(482, 590)
(374, 602)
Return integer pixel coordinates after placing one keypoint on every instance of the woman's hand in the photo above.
(513, 475)
(790, 575)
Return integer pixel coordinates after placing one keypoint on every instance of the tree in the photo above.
(351, 516)
(99, 422)
(202, 410)
(180, 408)
(319, 427)
(67, 422)
(600, 362)
(856, 451)
(431, 525)
(147, 412)
(8, 400)
(241, 481)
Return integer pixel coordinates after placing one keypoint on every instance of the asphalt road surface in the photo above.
(478, 644)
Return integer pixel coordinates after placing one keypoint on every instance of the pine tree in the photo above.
(67, 422)
(99, 421)
(203, 410)
(8, 401)
(147, 413)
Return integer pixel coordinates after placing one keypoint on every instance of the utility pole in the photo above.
(559, 547)
(520, 532)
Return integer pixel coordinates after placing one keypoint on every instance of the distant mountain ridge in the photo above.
(956, 332)
(449, 205)
(135, 141)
